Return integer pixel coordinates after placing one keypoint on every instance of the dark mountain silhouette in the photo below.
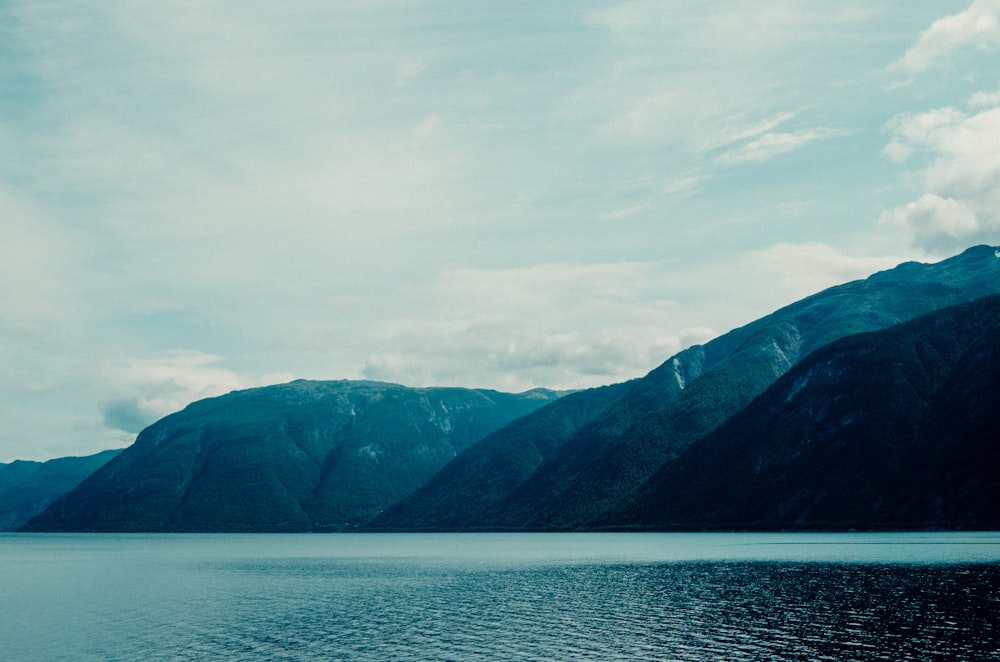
(27, 488)
(295, 457)
(893, 429)
(686, 398)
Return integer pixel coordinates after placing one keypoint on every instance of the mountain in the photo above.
(894, 429)
(331, 456)
(27, 488)
(690, 395)
(491, 468)
(303, 456)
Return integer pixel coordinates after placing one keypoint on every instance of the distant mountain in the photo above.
(893, 429)
(599, 465)
(27, 488)
(303, 456)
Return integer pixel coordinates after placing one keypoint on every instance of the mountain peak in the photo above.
(306, 455)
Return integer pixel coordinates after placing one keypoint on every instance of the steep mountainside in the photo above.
(489, 469)
(890, 429)
(694, 392)
(27, 488)
(294, 457)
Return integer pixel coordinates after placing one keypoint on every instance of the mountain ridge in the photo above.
(302, 456)
(856, 436)
(361, 455)
(28, 487)
(696, 390)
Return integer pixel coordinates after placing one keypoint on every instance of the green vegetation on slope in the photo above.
(882, 430)
(27, 488)
(488, 470)
(694, 392)
(295, 457)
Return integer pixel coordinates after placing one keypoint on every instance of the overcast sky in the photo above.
(197, 197)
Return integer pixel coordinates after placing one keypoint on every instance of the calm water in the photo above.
(500, 596)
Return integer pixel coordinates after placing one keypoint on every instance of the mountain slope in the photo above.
(695, 391)
(27, 488)
(597, 469)
(488, 470)
(294, 457)
(890, 429)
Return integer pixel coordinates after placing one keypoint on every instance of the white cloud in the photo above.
(968, 163)
(685, 185)
(739, 132)
(978, 26)
(624, 212)
(914, 130)
(960, 175)
(150, 388)
(814, 266)
(933, 222)
(559, 325)
(683, 74)
(784, 272)
(575, 325)
(697, 115)
(772, 144)
(728, 96)
(984, 99)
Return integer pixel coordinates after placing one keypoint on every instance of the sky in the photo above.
(198, 197)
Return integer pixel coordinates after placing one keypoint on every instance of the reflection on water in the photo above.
(458, 597)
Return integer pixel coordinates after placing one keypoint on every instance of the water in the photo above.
(500, 596)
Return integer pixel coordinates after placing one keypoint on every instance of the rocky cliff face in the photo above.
(304, 456)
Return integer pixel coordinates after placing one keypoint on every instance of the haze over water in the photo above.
(501, 596)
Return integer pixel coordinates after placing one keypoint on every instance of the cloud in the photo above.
(702, 127)
(685, 185)
(155, 386)
(772, 144)
(566, 325)
(934, 222)
(756, 142)
(697, 116)
(814, 266)
(958, 165)
(742, 131)
(978, 26)
(624, 212)
(563, 325)
(915, 130)
(785, 272)
(984, 99)
(685, 75)
(130, 414)
(736, 31)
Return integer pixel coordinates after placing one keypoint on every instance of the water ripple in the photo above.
(684, 611)
(284, 607)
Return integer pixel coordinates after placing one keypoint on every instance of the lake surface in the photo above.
(500, 596)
